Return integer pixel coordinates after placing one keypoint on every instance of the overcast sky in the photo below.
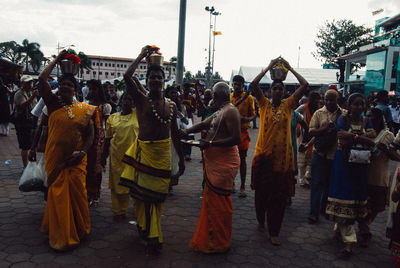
(253, 31)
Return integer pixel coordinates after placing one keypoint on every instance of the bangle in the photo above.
(210, 142)
(356, 136)
(83, 152)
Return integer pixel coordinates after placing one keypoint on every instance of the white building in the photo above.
(104, 67)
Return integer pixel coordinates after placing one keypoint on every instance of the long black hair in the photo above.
(379, 114)
(71, 78)
(100, 90)
(352, 98)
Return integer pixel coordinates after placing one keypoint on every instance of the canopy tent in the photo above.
(315, 77)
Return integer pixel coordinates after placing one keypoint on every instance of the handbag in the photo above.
(359, 155)
(34, 176)
(324, 142)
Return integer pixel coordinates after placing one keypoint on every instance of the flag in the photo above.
(217, 33)
(376, 12)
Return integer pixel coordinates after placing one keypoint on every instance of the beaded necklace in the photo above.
(171, 111)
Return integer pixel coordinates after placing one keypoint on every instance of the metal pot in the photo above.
(155, 60)
(278, 72)
(68, 67)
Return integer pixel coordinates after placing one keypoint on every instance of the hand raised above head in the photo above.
(286, 63)
(145, 51)
(62, 54)
(273, 62)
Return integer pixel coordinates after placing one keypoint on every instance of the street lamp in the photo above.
(208, 68)
(58, 52)
(215, 29)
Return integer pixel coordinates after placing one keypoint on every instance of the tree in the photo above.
(216, 76)
(11, 51)
(336, 34)
(86, 63)
(188, 77)
(199, 74)
(30, 52)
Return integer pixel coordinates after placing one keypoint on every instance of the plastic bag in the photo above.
(33, 177)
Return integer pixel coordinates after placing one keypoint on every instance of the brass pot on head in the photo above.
(155, 60)
(279, 71)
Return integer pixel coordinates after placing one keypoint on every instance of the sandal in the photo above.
(345, 254)
(312, 220)
(242, 194)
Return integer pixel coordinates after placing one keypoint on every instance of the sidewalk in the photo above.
(115, 245)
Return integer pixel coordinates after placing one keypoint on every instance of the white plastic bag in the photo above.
(33, 177)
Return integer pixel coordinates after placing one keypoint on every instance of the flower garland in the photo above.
(162, 120)
(72, 57)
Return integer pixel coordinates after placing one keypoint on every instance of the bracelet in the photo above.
(210, 142)
(83, 152)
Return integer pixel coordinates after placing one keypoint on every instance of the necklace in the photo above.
(125, 117)
(68, 108)
(276, 114)
(161, 119)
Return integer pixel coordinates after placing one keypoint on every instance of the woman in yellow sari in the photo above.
(70, 134)
(121, 132)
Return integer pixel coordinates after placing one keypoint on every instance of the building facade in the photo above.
(381, 59)
(109, 68)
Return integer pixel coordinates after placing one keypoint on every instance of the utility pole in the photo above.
(298, 59)
(215, 29)
(181, 42)
(208, 68)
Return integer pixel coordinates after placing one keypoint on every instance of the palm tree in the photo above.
(36, 61)
(30, 51)
(86, 63)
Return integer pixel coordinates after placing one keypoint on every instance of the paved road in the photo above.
(115, 245)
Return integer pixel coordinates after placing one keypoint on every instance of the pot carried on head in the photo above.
(155, 58)
(279, 71)
(70, 64)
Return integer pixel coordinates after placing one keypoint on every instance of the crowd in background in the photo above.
(326, 129)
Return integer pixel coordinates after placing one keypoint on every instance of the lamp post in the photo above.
(58, 52)
(208, 68)
(215, 29)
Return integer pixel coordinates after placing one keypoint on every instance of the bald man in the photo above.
(221, 164)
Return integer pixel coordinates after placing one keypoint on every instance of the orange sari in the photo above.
(66, 218)
(214, 228)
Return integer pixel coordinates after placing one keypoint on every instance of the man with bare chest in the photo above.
(221, 164)
(148, 168)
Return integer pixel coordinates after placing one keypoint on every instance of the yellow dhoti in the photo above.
(147, 174)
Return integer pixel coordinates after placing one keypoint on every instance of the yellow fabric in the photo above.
(66, 217)
(155, 211)
(379, 170)
(120, 202)
(123, 130)
(155, 154)
(274, 138)
(246, 108)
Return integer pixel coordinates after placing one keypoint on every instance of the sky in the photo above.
(253, 31)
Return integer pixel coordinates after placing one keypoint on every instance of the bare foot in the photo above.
(260, 228)
(275, 241)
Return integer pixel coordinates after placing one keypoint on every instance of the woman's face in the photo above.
(277, 92)
(127, 104)
(357, 106)
(66, 90)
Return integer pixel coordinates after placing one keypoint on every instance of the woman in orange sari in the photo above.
(70, 134)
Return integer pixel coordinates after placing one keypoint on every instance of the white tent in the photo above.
(315, 77)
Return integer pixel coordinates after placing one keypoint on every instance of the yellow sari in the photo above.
(147, 174)
(66, 218)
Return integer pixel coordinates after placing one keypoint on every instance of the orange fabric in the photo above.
(214, 228)
(245, 140)
(221, 166)
(246, 108)
(274, 139)
(66, 217)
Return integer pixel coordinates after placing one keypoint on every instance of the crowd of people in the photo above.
(338, 147)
